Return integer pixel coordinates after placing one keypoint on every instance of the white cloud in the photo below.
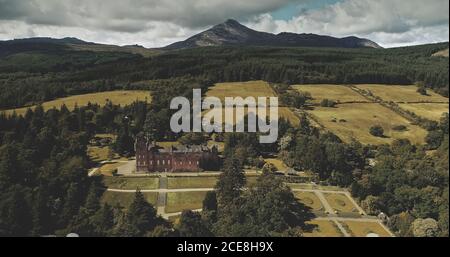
(388, 22)
(155, 23)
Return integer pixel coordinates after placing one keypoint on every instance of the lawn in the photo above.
(191, 182)
(402, 94)
(179, 201)
(108, 168)
(98, 154)
(353, 121)
(241, 89)
(123, 98)
(341, 203)
(323, 228)
(361, 229)
(125, 199)
(338, 93)
(311, 200)
(431, 111)
(279, 164)
(131, 183)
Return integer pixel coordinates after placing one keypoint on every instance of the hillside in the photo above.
(232, 32)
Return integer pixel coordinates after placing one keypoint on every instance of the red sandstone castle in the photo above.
(152, 158)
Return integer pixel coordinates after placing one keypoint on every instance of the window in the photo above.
(168, 162)
(164, 162)
(157, 162)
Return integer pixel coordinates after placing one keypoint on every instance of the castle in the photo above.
(152, 158)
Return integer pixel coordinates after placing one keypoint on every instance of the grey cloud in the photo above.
(133, 15)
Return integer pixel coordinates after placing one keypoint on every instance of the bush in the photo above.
(400, 128)
(377, 131)
(328, 103)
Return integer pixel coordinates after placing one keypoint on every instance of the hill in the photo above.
(232, 32)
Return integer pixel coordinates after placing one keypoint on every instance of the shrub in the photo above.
(400, 128)
(328, 103)
(377, 131)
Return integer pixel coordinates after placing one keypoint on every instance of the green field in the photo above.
(402, 94)
(125, 199)
(338, 93)
(117, 97)
(323, 228)
(353, 121)
(362, 229)
(311, 200)
(341, 203)
(179, 201)
(131, 183)
(191, 182)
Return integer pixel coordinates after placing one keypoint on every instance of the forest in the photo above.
(63, 72)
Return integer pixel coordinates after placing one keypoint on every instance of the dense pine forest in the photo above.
(33, 74)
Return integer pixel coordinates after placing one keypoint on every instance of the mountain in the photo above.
(232, 32)
(47, 44)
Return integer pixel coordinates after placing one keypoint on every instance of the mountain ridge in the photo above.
(231, 32)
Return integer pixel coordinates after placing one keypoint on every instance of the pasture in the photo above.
(402, 94)
(283, 112)
(431, 111)
(353, 122)
(122, 97)
(338, 93)
(241, 89)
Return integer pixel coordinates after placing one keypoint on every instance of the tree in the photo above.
(425, 228)
(328, 103)
(210, 201)
(141, 214)
(231, 182)
(376, 131)
(267, 209)
(191, 225)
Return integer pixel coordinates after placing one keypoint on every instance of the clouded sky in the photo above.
(155, 23)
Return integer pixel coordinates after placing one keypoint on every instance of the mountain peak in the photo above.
(231, 32)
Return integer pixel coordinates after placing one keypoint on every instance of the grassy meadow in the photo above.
(353, 122)
(123, 97)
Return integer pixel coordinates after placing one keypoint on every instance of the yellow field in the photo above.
(98, 154)
(402, 93)
(279, 164)
(283, 112)
(241, 89)
(353, 121)
(338, 93)
(310, 199)
(362, 229)
(191, 182)
(125, 199)
(341, 203)
(432, 111)
(323, 228)
(117, 97)
(177, 202)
